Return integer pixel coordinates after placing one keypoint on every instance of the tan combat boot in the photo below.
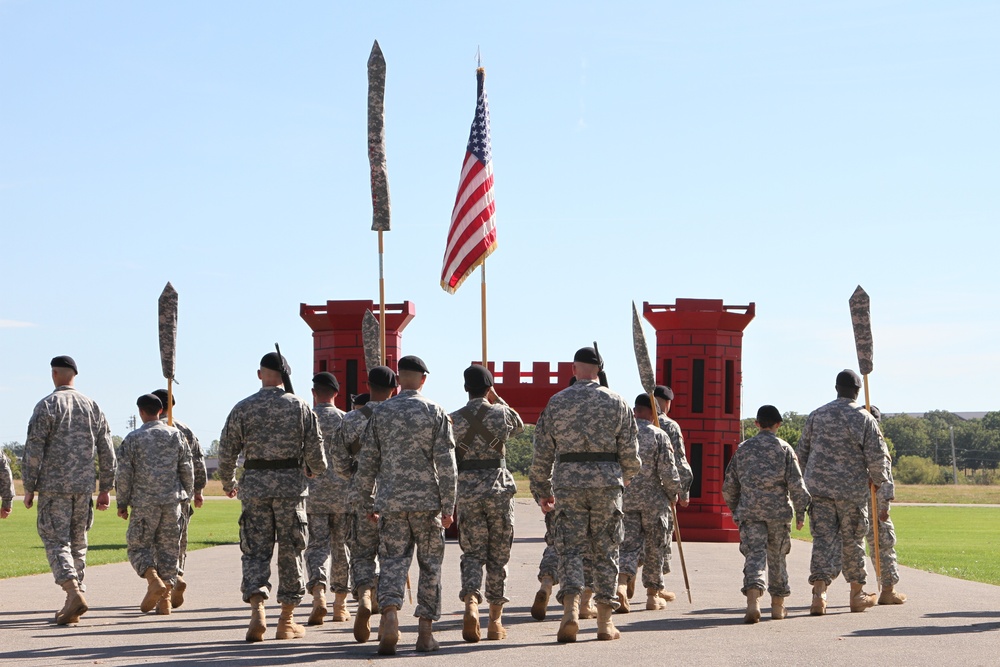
(340, 612)
(258, 621)
(375, 609)
(753, 605)
(587, 608)
(388, 631)
(287, 627)
(890, 596)
(778, 610)
(75, 605)
(154, 590)
(425, 636)
(362, 621)
(631, 584)
(163, 605)
(653, 600)
(177, 594)
(667, 596)
(818, 607)
(470, 622)
(541, 603)
(859, 599)
(623, 594)
(570, 624)
(319, 605)
(495, 629)
(606, 630)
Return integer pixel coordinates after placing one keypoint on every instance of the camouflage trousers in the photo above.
(889, 576)
(399, 533)
(765, 545)
(362, 542)
(589, 526)
(668, 549)
(486, 535)
(263, 522)
(549, 565)
(63, 522)
(187, 511)
(647, 533)
(153, 539)
(838, 529)
(327, 549)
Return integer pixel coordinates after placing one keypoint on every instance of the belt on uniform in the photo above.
(271, 464)
(482, 464)
(587, 457)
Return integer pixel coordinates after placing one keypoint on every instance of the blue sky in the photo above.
(774, 152)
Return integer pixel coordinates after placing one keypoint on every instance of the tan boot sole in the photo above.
(608, 637)
(778, 614)
(362, 625)
(255, 633)
(73, 613)
(655, 604)
(427, 645)
(752, 617)
(623, 602)
(891, 598)
(177, 595)
(316, 616)
(567, 632)
(387, 644)
(861, 603)
(818, 607)
(470, 628)
(152, 596)
(540, 606)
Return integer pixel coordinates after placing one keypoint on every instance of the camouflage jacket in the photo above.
(763, 481)
(409, 450)
(673, 431)
(328, 492)
(6, 482)
(841, 448)
(197, 455)
(657, 483)
(348, 446)
(65, 433)
(271, 425)
(154, 467)
(501, 422)
(588, 419)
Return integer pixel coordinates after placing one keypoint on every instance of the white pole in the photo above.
(954, 463)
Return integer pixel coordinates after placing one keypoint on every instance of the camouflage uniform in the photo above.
(841, 448)
(549, 565)
(762, 475)
(409, 450)
(485, 496)
(278, 433)
(200, 480)
(646, 503)
(6, 483)
(889, 576)
(585, 446)
(154, 475)
(673, 431)
(328, 516)
(362, 534)
(66, 431)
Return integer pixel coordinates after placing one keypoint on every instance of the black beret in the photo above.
(382, 376)
(848, 378)
(163, 396)
(642, 401)
(64, 361)
(478, 378)
(588, 355)
(768, 414)
(876, 413)
(326, 379)
(664, 392)
(272, 361)
(149, 404)
(412, 363)
(361, 399)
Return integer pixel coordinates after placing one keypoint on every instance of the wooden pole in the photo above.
(381, 300)
(871, 489)
(485, 357)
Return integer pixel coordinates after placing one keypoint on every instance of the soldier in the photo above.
(67, 430)
(200, 481)
(763, 482)
(841, 449)
(646, 503)
(6, 486)
(363, 534)
(548, 571)
(585, 452)
(155, 476)
(485, 499)
(664, 396)
(278, 433)
(408, 449)
(328, 516)
(889, 576)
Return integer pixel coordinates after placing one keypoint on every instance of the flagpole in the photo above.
(381, 300)
(485, 357)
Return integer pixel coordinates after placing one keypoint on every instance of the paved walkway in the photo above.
(946, 621)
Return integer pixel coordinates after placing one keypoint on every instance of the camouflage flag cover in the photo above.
(376, 140)
(861, 319)
(369, 335)
(168, 330)
(646, 376)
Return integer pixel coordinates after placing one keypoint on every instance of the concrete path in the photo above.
(946, 621)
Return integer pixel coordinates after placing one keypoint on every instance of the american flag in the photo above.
(473, 235)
